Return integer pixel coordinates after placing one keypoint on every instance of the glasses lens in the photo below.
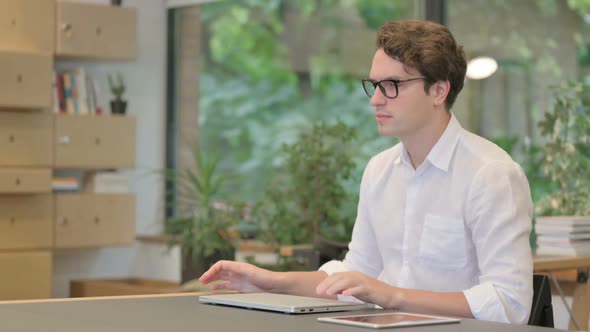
(389, 88)
(369, 87)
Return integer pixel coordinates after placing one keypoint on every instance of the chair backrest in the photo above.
(542, 309)
(326, 250)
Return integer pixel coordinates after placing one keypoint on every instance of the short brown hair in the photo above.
(429, 48)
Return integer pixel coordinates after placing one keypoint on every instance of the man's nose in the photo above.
(378, 98)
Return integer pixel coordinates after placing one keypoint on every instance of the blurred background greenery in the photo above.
(272, 70)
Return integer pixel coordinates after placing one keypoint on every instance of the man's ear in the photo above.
(440, 91)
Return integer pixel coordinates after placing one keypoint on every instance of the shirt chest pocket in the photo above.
(443, 242)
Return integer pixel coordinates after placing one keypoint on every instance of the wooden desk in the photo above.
(183, 312)
(581, 293)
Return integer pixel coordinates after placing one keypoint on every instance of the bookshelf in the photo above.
(36, 142)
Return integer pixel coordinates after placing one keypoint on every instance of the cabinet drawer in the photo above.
(25, 275)
(97, 31)
(94, 220)
(95, 142)
(25, 81)
(26, 139)
(16, 180)
(26, 221)
(28, 25)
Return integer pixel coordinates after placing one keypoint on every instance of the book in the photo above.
(541, 229)
(563, 237)
(563, 221)
(67, 86)
(60, 184)
(107, 182)
(91, 91)
(55, 93)
(74, 91)
(59, 80)
(552, 250)
(82, 90)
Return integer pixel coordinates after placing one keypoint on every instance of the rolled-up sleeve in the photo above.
(499, 217)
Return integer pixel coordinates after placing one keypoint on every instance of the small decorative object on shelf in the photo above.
(116, 2)
(118, 105)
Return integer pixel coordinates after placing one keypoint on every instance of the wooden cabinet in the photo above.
(34, 141)
(95, 142)
(95, 31)
(25, 180)
(28, 25)
(26, 139)
(25, 80)
(26, 221)
(93, 220)
(25, 275)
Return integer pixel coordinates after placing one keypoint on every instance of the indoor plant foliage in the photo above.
(202, 224)
(566, 128)
(307, 198)
(118, 105)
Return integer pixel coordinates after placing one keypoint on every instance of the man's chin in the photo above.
(388, 132)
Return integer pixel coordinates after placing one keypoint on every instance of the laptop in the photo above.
(290, 304)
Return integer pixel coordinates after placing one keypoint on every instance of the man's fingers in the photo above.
(221, 286)
(338, 286)
(333, 285)
(323, 285)
(215, 272)
(357, 291)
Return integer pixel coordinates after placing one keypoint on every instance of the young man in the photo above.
(443, 218)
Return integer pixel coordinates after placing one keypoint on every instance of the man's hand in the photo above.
(241, 277)
(362, 287)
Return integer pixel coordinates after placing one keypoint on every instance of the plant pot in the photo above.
(194, 267)
(116, 2)
(118, 106)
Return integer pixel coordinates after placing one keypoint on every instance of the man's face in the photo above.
(411, 110)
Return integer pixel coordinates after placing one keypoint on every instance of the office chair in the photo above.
(542, 309)
(325, 250)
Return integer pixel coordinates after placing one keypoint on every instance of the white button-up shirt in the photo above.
(459, 222)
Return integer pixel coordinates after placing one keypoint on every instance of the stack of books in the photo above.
(107, 182)
(563, 236)
(75, 92)
(64, 184)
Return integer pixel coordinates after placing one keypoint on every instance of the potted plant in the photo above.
(202, 224)
(118, 105)
(306, 201)
(566, 160)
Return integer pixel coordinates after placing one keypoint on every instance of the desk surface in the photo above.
(552, 263)
(184, 313)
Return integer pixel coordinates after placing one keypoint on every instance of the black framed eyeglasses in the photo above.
(389, 88)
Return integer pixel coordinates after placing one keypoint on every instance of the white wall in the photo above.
(146, 93)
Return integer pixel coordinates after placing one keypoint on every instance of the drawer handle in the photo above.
(64, 140)
(17, 182)
(67, 28)
(98, 31)
(96, 220)
(19, 78)
(12, 221)
(11, 138)
(13, 23)
(63, 221)
(97, 141)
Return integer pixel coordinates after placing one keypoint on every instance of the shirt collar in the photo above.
(442, 152)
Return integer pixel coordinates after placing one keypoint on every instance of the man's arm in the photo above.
(248, 278)
(371, 290)
(499, 217)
